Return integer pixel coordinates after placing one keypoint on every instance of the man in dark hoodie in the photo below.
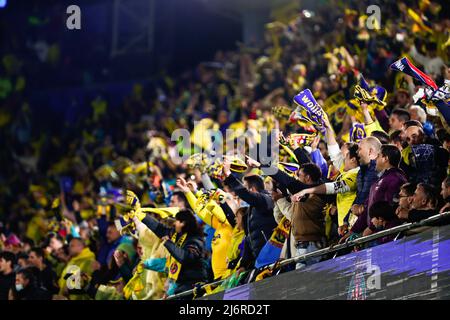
(259, 221)
(46, 277)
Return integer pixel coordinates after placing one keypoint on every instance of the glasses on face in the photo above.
(398, 197)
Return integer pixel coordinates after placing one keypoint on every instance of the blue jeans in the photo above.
(307, 247)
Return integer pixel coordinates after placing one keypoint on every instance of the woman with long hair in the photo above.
(185, 243)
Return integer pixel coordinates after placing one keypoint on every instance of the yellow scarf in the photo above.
(281, 232)
(172, 264)
(136, 284)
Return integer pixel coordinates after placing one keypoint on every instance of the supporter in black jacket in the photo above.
(46, 276)
(259, 221)
(190, 254)
(26, 287)
(284, 180)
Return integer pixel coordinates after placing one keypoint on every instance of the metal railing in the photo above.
(334, 248)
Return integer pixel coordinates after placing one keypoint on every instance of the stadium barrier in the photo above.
(334, 248)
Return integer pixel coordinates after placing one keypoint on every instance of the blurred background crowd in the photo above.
(98, 187)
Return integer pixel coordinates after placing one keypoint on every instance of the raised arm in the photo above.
(191, 252)
(302, 155)
(158, 228)
(367, 117)
(211, 213)
(326, 188)
(207, 183)
(229, 214)
(333, 147)
(285, 180)
(252, 198)
(317, 157)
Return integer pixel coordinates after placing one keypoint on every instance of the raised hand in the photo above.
(182, 184)
(364, 105)
(226, 166)
(252, 162)
(326, 121)
(357, 209)
(315, 143)
(192, 186)
(119, 257)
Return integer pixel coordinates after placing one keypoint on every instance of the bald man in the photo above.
(368, 151)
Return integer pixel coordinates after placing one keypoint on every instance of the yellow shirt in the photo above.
(233, 249)
(369, 128)
(212, 214)
(345, 200)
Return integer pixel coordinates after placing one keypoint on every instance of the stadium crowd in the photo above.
(106, 211)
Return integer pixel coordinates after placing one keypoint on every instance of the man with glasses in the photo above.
(423, 204)
(404, 200)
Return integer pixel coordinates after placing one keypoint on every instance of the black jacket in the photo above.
(191, 255)
(48, 279)
(6, 283)
(259, 221)
(416, 215)
(32, 292)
